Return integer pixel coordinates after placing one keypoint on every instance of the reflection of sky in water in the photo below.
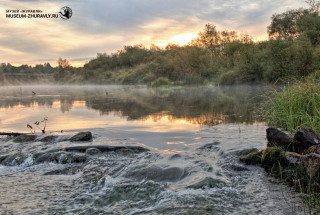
(80, 117)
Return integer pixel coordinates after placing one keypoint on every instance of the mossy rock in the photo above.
(252, 158)
(273, 156)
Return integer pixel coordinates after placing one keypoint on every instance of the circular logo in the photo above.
(65, 12)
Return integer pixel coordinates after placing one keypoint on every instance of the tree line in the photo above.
(224, 57)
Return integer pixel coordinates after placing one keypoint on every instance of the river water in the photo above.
(193, 134)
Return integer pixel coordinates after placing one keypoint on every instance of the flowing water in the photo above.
(193, 136)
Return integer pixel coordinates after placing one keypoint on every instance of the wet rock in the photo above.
(46, 157)
(292, 157)
(278, 138)
(61, 157)
(247, 151)
(175, 156)
(312, 149)
(65, 158)
(157, 173)
(252, 158)
(273, 156)
(134, 192)
(72, 170)
(49, 139)
(14, 160)
(305, 138)
(102, 148)
(210, 147)
(311, 163)
(25, 138)
(92, 151)
(2, 158)
(208, 182)
(82, 136)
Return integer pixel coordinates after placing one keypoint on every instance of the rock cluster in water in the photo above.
(295, 159)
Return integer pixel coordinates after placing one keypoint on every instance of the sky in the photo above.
(105, 26)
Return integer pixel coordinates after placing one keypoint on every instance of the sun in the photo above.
(183, 39)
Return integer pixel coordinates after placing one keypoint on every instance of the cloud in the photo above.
(104, 26)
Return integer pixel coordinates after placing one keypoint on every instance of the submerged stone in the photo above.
(157, 173)
(65, 171)
(92, 151)
(208, 182)
(247, 151)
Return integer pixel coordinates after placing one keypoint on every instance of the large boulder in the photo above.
(277, 138)
(82, 136)
(305, 138)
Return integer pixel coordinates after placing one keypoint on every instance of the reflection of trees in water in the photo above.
(198, 105)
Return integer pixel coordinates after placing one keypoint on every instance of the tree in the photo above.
(284, 25)
(63, 63)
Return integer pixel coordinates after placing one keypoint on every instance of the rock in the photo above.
(273, 156)
(157, 173)
(278, 138)
(46, 157)
(72, 170)
(49, 139)
(210, 147)
(208, 183)
(311, 163)
(312, 149)
(175, 157)
(252, 158)
(92, 151)
(25, 138)
(292, 157)
(14, 160)
(305, 138)
(245, 152)
(107, 148)
(82, 136)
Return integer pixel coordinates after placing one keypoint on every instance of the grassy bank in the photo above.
(291, 108)
(296, 105)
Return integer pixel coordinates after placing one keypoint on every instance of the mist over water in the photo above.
(194, 135)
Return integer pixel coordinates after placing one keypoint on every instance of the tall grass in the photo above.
(296, 105)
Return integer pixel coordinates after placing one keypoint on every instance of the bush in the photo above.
(228, 78)
(160, 82)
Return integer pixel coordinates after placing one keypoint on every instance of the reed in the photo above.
(296, 105)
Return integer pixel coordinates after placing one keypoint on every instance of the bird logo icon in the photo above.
(65, 12)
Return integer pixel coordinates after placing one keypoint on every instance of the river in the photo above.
(193, 135)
